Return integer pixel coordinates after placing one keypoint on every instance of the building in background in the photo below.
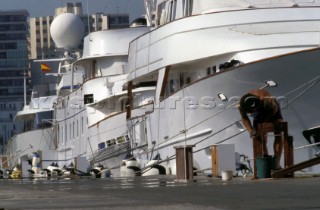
(14, 68)
(41, 44)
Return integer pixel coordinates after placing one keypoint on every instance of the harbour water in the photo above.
(160, 192)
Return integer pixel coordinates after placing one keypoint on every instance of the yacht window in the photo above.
(188, 80)
(77, 128)
(73, 129)
(214, 69)
(82, 121)
(120, 139)
(70, 131)
(88, 99)
(62, 136)
(65, 134)
(126, 137)
(102, 145)
(111, 142)
(181, 80)
(208, 70)
(123, 104)
(59, 133)
(172, 86)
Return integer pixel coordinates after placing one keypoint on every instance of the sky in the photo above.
(38, 8)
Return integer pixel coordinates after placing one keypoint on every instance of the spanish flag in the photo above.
(45, 67)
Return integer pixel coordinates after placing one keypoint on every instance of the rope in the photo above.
(303, 92)
(308, 145)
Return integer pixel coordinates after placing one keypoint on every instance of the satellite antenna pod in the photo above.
(67, 31)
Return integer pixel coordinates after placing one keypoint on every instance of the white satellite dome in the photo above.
(67, 31)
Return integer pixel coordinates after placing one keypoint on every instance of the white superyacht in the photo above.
(202, 56)
(87, 125)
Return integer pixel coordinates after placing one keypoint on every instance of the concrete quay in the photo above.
(161, 192)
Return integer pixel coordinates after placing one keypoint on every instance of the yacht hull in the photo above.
(195, 115)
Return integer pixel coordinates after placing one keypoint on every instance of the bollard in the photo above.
(184, 163)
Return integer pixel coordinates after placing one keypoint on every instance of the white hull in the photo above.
(213, 122)
(91, 120)
(186, 54)
(40, 139)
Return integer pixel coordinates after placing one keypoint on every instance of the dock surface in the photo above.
(160, 193)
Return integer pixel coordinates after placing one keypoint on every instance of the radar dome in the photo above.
(67, 31)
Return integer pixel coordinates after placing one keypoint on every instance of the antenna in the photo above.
(88, 17)
(25, 88)
(24, 81)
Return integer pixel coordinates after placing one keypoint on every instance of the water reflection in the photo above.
(87, 183)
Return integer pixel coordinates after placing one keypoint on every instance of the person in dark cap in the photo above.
(263, 107)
